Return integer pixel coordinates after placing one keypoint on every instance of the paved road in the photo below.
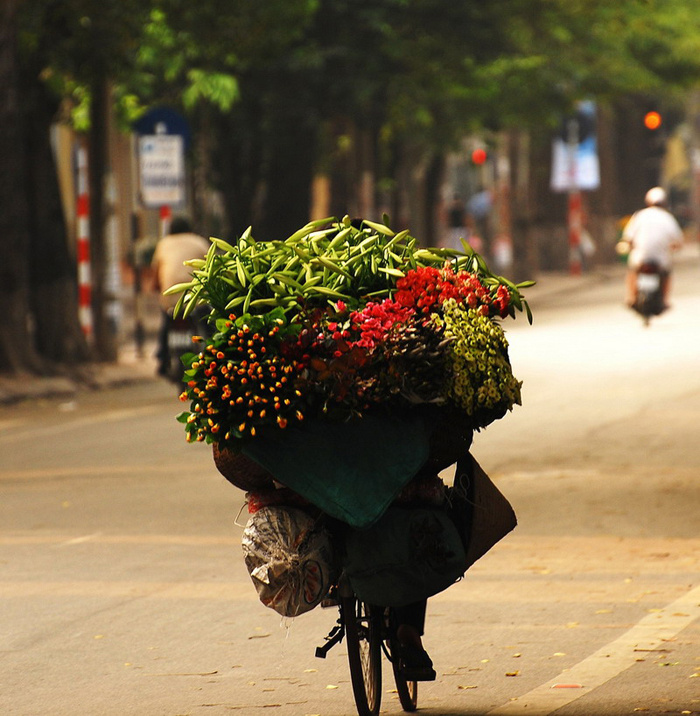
(122, 588)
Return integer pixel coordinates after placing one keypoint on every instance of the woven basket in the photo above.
(241, 471)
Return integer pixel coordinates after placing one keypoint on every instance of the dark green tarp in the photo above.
(351, 470)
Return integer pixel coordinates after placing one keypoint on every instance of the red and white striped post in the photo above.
(575, 208)
(575, 227)
(166, 216)
(83, 248)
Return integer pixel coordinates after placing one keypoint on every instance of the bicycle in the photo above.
(370, 630)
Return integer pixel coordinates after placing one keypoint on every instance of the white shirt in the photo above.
(168, 260)
(654, 233)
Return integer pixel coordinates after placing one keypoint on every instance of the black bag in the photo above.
(481, 513)
(408, 555)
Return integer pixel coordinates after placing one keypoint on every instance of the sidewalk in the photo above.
(131, 368)
(94, 376)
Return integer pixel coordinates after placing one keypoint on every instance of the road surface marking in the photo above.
(609, 661)
(79, 540)
(37, 433)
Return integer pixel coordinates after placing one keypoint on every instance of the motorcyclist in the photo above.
(180, 245)
(652, 234)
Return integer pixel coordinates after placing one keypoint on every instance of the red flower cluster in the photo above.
(376, 320)
(502, 300)
(429, 287)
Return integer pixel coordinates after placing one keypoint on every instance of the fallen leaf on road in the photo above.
(512, 673)
(290, 679)
(331, 686)
(258, 636)
(466, 687)
(248, 706)
(188, 673)
(559, 653)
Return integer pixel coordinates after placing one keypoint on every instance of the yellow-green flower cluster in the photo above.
(479, 377)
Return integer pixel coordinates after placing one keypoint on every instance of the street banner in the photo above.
(162, 170)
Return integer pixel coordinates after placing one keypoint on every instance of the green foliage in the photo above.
(422, 68)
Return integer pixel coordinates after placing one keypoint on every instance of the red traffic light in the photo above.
(479, 156)
(652, 120)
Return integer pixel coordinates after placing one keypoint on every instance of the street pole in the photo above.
(575, 207)
(83, 246)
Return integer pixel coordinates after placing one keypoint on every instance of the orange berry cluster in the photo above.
(242, 381)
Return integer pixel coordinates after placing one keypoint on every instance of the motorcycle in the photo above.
(181, 336)
(649, 299)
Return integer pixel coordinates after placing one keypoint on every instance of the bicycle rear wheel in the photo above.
(364, 640)
(407, 690)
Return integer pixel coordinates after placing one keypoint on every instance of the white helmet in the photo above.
(655, 197)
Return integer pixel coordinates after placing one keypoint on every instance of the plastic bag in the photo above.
(289, 558)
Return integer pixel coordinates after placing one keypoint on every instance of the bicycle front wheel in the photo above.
(364, 641)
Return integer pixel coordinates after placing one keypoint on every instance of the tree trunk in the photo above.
(433, 180)
(16, 351)
(340, 157)
(237, 166)
(288, 178)
(524, 249)
(105, 330)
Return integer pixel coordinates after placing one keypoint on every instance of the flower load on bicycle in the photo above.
(342, 320)
(348, 365)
